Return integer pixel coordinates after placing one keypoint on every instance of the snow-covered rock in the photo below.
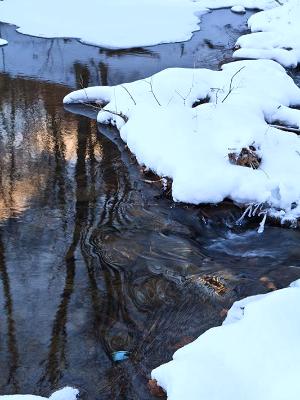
(275, 35)
(3, 42)
(172, 133)
(118, 23)
(253, 355)
(66, 393)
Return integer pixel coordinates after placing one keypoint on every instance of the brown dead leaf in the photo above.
(155, 389)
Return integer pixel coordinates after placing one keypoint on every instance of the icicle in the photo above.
(255, 208)
(261, 227)
(247, 211)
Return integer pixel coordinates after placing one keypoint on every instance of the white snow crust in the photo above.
(3, 42)
(238, 9)
(275, 35)
(111, 24)
(248, 4)
(118, 23)
(66, 393)
(191, 145)
(253, 355)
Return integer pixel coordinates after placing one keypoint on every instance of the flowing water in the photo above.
(93, 259)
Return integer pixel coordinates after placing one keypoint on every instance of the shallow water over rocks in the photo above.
(94, 260)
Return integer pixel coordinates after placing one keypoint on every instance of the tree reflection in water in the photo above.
(92, 261)
(10, 333)
(81, 233)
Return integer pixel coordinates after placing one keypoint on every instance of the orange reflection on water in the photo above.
(38, 142)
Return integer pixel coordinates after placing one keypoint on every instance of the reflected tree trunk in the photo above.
(11, 331)
(57, 357)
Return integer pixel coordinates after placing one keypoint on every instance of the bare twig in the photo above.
(286, 128)
(170, 100)
(217, 91)
(83, 88)
(184, 98)
(151, 90)
(115, 98)
(125, 88)
(180, 95)
(100, 108)
(88, 103)
(231, 82)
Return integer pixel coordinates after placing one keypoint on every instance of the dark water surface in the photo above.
(93, 259)
(63, 60)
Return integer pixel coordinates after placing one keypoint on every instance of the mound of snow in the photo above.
(191, 144)
(238, 9)
(249, 4)
(253, 355)
(115, 24)
(275, 35)
(66, 393)
(3, 42)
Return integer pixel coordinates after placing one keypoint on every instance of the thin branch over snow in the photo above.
(125, 88)
(231, 88)
(151, 90)
(184, 98)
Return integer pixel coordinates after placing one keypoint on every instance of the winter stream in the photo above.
(93, 259)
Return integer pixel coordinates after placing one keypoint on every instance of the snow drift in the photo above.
(253, 355)
(275, 35)
(184, 123)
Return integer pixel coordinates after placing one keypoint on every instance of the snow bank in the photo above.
(191, 145)
(238, 9)
(115, 24)
(275, 35)
(66, 393)
(3, 42)
(111, 24)
(249, 4)
(254, 355)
